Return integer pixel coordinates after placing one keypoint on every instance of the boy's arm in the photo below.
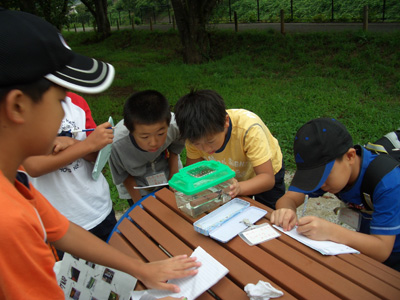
(191, 161)
(153, 275)
(173, 164)
(285, 213)
(192, 151)
(129, 183)
(39, 165)
(263, 181)
(378, 247)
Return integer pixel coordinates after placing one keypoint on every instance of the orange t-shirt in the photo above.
(27, 220)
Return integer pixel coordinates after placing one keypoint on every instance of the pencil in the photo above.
(304, 206)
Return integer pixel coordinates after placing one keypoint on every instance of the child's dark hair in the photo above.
(146, 107)
(199, 114)
(34, 90)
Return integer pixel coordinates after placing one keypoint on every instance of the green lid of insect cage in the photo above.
(200, 176)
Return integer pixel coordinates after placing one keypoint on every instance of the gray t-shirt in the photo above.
(127, 159)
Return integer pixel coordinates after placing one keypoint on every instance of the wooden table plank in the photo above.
(123, 245)
(373, 276)
(349, 271)
(300, 285)
(374, 268)
(297, 270)
(224, 288)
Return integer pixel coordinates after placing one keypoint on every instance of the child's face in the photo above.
(45, 119)
(150, 137)
(211, 143)
(338, 178)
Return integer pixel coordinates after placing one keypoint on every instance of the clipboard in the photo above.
(102, 157)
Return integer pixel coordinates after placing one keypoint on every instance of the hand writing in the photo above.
(285, 218)
(100, 137)
(315, 228)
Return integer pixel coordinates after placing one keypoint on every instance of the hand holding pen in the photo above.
(101, 136)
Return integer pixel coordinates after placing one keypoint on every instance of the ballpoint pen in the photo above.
(86, 130)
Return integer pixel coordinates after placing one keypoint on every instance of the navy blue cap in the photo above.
(317, 145)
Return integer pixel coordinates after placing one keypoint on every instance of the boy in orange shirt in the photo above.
(36, 68)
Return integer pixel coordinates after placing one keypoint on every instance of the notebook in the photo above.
(210, 272)
(102, 157)
(323, 247)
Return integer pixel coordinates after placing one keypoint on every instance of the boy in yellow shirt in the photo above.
(235, 137)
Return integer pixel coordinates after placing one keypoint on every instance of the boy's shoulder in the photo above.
(243, 115)
(378, 171)
(245, 119)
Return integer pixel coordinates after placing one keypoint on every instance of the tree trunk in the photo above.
(191, 20)
(98, 9)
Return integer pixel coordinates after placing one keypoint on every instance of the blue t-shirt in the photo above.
(385, 219)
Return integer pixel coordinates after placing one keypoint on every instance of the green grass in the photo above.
(287, 80)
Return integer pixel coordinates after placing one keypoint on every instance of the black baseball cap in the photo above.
(317, 145)
(31, 48)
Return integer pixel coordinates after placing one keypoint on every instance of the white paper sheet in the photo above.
(323, 247)
(102, 157)
(210, 272)
(83, 280)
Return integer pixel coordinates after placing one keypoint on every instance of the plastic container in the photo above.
(201, 187)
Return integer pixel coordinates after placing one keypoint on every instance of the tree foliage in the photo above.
(309, 10)
(53, 11)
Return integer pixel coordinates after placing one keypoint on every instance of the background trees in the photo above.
(98, 9)
(54, 11)
(193, 17)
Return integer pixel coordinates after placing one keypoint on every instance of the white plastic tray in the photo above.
(222, 214)
(226, 222)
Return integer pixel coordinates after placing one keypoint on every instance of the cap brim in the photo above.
(308, 181)
(84, 74)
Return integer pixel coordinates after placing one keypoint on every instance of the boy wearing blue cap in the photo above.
(327, 161)
(36, 69)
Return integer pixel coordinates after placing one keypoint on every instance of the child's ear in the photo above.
(350, 155)
(226, 125)
(16, 103)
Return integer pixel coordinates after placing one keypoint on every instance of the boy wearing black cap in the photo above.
(327, 161)
(36, 68)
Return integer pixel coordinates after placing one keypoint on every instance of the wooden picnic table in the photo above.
(156, 229)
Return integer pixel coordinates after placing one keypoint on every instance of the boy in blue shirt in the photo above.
(327, 161)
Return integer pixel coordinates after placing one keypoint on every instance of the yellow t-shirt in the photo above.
(250, 145)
